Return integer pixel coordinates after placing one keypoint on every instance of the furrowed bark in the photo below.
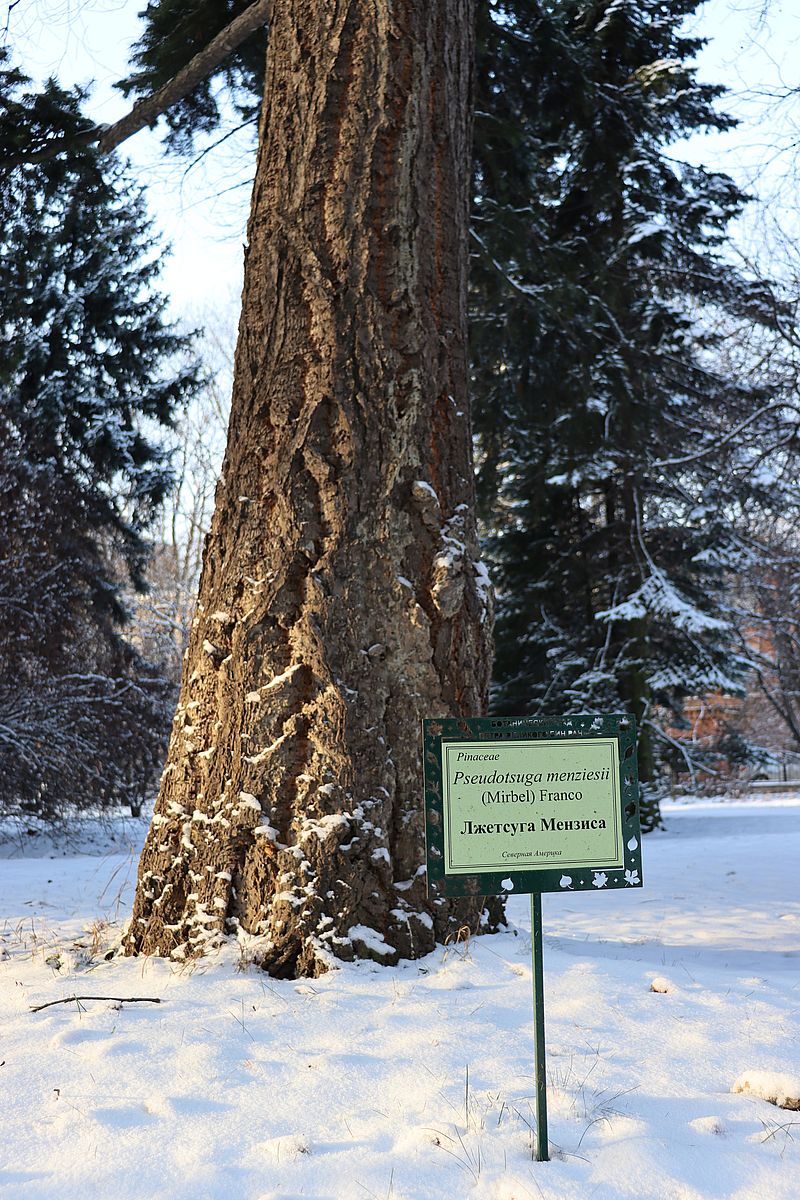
(341, 599)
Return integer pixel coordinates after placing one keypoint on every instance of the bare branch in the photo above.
(687, 458)
(119, 999)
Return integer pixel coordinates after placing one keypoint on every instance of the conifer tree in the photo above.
(87, 374)
(340, 599)
(611, 486)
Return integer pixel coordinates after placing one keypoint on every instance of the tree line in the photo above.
(634, 427)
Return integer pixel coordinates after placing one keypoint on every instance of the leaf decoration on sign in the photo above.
(566, 881)
(632, 878)
(600, 879)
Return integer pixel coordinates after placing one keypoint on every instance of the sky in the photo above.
(753, 49)
(201, 209)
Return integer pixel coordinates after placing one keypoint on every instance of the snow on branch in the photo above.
(657, 595)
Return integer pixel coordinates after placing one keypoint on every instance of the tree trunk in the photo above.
(341, 598)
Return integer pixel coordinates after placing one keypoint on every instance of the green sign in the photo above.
(529, 804)
(532, 804)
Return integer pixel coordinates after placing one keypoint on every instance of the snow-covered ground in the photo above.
(415, 1081)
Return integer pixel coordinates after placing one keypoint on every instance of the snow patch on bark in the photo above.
(421, 488)
(267, 831)
(284, 676)
(248, 800)
(483, 586)
(449, 564)
(373, 941)
(259, 757)
(324, 826)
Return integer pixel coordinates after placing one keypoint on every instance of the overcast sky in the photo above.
(202, 209)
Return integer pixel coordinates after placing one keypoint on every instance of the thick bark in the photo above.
(340, 599)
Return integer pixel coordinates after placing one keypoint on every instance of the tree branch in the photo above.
(773, 406)
(120, 999)
(148, 110)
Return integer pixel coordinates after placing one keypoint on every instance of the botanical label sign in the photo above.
(531, 804)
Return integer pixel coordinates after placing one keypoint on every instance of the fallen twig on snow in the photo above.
(121, 999)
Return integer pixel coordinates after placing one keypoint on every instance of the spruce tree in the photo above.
(88, 373)
(611, 490)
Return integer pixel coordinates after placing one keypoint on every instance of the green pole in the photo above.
(542, 1146)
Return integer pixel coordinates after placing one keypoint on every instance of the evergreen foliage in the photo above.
(31, 121)
(86, 379)
(612, 489)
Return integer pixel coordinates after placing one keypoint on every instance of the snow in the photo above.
(263, 830)
(483, 586)
(248, 800)
(267, 750)
(371, 938)
(422, 487)
(778, 1089)
(277, 680)
(659, 596)
(645, 229)
(671, 1014)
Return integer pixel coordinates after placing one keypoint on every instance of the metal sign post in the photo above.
(542, 1143)
(532, 805)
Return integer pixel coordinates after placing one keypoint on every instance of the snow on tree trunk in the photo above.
(340, 599)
